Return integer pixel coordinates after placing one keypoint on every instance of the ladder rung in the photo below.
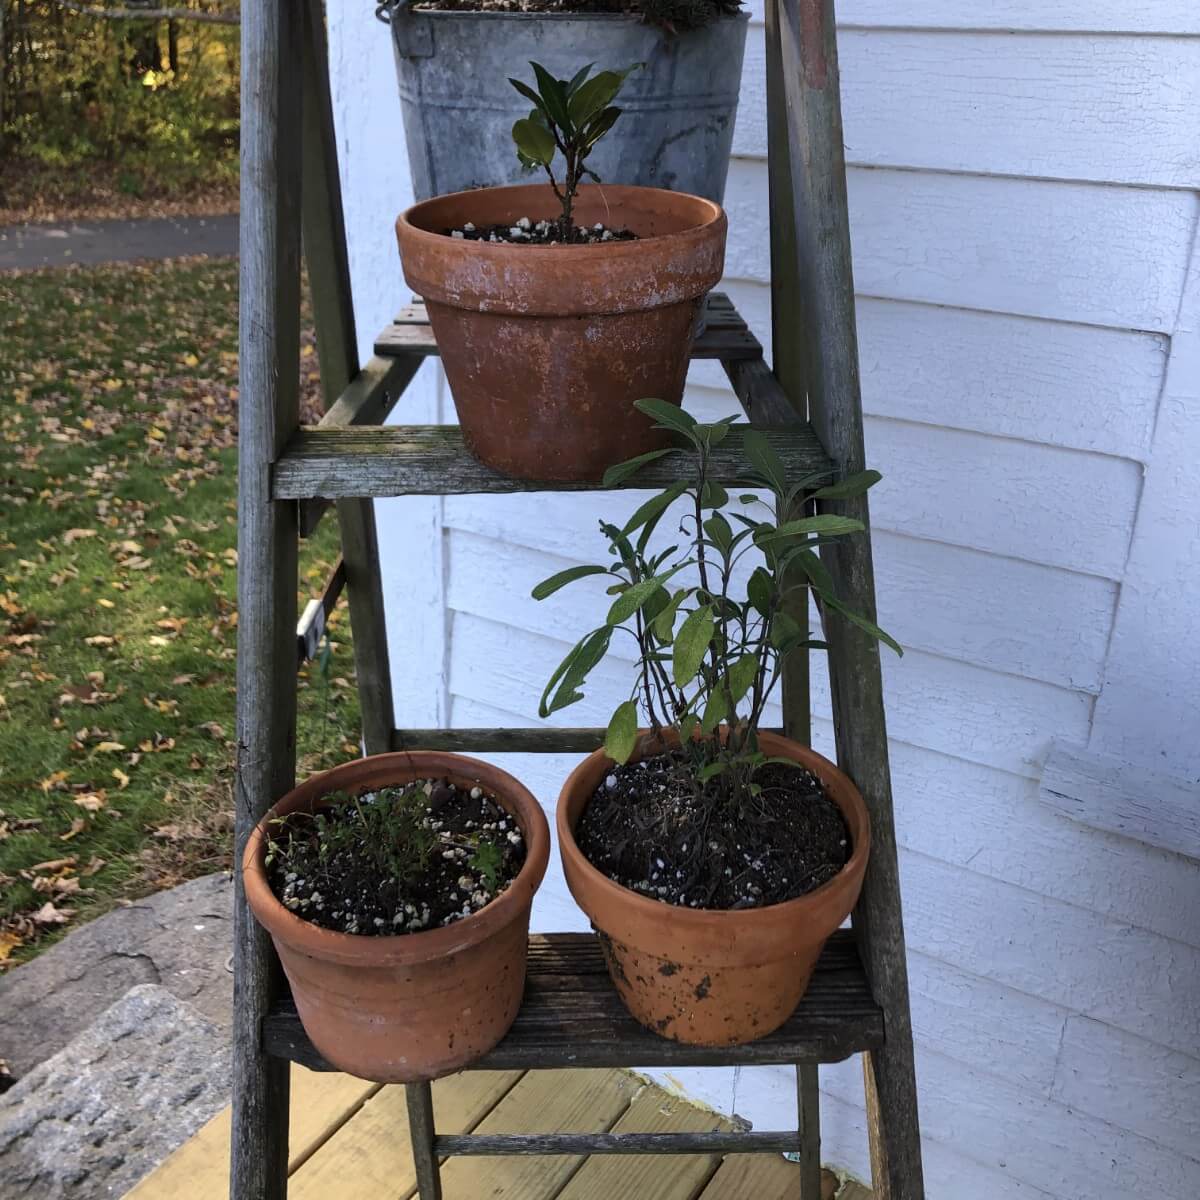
(571, 1016)
(431, 460)
(719, 1141)
(725, 336)
(504, 741)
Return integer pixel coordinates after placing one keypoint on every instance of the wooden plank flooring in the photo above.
(350, 1142)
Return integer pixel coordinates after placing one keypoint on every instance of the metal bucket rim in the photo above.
(407, 12)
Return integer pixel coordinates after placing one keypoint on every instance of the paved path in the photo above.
(64, 242)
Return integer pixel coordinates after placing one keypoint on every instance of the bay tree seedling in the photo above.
(569, 117)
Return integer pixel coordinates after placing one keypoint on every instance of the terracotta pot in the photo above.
(413, 1006)
(547, 347)
(711, 977)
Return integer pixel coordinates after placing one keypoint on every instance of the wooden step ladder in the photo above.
(808, 400)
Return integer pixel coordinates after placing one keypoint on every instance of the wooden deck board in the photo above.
(577, 1101)
(350, 1142)
(370, 1155)
(605, 1177)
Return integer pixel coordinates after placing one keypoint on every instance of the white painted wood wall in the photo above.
(1024, 206)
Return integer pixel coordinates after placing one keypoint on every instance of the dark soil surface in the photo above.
(541, 233)
(647, 830)
(461, 849)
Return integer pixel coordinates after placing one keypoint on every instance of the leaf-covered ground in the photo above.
(118, 565)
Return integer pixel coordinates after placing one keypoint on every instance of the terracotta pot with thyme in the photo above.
(397, 890)
(714, 858)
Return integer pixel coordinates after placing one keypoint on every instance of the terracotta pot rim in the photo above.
(407, 226)
(388, 950)
(701, 918)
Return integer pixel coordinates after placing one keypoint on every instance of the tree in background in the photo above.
(146, 91)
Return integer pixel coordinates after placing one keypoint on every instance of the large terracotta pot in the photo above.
(547, 347)
(711, 977)
(414, 1006)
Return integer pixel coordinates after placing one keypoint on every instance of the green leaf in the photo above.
(597, 94)
(719, 430)
(528, 93)
(631, 466)
(669, 416)
(760, 589)
(763, 457)
(714, 712)
(713, 495)
(848, 488)
(597, 129)
(549, 586)
(654, 507)
(687, 727)
(534, 141)
(815, 569)
(691, 644)
(741, 676)
(863, 623)
(824, 523)
(637, 595)
(578, 78)
(719, 532)
(711, 771)
(664, 623)
(586, 655)
(554, 98)
(783, 628)
(621, 736)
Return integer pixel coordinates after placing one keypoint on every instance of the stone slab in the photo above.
(92, 1120)
(180, 939)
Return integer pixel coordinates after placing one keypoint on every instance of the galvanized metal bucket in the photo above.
(459, 108)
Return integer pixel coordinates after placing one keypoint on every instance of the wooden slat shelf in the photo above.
(726, 335)
(572, 1016)
(428, 460)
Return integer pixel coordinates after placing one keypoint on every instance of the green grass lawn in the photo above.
(118, 564)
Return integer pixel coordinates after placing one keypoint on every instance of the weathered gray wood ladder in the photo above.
(810, 399)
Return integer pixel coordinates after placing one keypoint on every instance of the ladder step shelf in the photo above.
(572, 1016)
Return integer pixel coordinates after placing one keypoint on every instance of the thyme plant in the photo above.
(568, 117)
(707, 657)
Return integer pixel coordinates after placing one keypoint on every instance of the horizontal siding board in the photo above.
(992, 823)
(1115, 16)
(1016, 617)
(1087, 253)
(1099, 109)
(1038, 503)
(1132, 1084)
(1100, 968)
(1078, 386)
(1039, 1141)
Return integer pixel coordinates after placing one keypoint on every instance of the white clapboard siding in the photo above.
(1039, 503)
(1101, 109)
(999, 720)
(1106, 16)
(1040, 1141)
(1077, 386)
(1089, 253)
(1012, 616)
(1132, 1084)
(1104, 969)
(991, 822)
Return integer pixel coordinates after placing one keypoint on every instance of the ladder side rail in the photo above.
(269, 353)
(787, 353)
(808, 54)
(337, 344)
